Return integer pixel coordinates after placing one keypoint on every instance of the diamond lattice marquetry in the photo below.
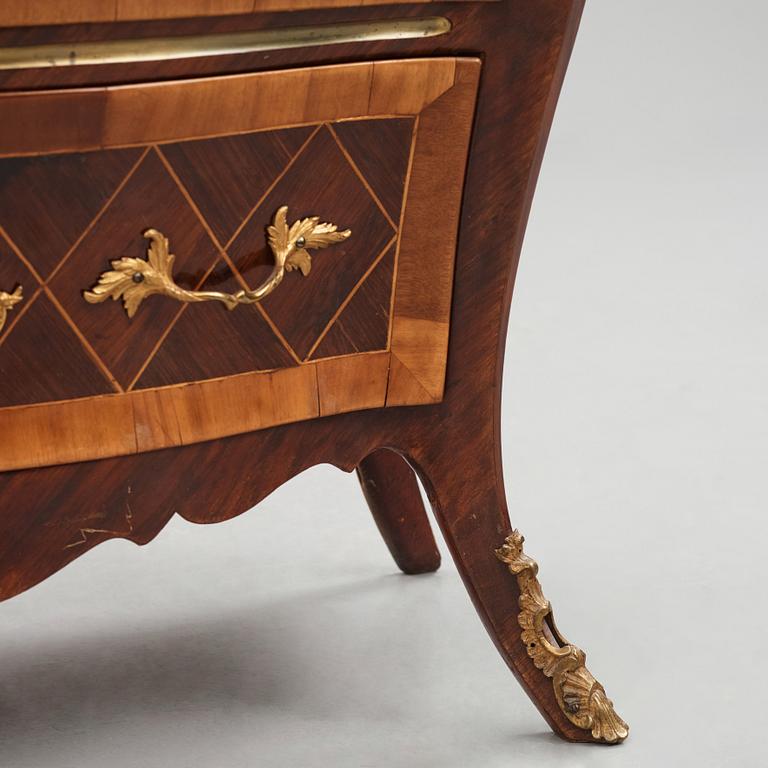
(41, 357)
(231, 343)
(47, 202)
(380, 149)
(150, 198)
(321, 181)
(226, 176)
(69, 216)
(363, 324)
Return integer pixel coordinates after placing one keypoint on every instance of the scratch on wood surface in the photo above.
(85, 532)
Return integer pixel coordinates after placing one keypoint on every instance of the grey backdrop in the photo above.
(635, 427)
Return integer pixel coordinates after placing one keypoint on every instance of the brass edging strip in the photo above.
(165, 48)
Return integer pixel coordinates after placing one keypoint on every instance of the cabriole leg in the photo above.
(464, 483)
(392, 492)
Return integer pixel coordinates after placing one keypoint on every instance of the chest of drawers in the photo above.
(238, 239)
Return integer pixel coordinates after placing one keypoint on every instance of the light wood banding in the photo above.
(126, 115)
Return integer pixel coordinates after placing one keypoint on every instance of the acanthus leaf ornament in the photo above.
(133, 280)
(7, 302)
(580, 696)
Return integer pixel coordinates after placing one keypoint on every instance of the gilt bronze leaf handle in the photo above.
(132, 280)
(7, 302)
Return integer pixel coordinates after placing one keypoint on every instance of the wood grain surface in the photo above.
(15, 13)
(126, 115)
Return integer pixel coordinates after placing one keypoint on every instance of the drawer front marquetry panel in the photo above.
(213, 199)
(367, 326)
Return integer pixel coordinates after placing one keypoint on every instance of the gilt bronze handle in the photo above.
(135, 279)
(7, 302)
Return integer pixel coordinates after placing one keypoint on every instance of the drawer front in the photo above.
(189, 350)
